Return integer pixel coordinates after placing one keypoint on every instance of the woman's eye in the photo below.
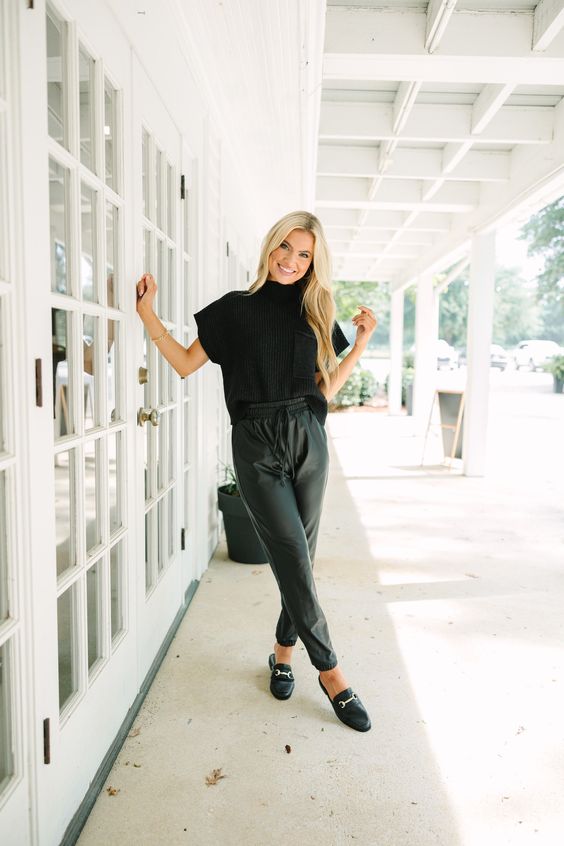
(284, 246)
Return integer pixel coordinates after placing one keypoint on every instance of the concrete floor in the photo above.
(444, 596)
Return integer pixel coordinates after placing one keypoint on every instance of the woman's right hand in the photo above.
(146, 291)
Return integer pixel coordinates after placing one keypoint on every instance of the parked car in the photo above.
(535, 353)
(498, 357)
(446, 355)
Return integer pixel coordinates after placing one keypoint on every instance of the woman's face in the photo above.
(292, 259)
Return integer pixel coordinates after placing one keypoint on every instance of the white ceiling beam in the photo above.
(372, 235)
(403, 103)
(412, 163)
(488, 102)
(454, 207)
(430, 122)
(350, 189)
(373, 255)
(432, 222)
(391, 67)
(471, 35)
(453, 153)
(536, 181)
(548, 20)
(454, 274)
(438, 16)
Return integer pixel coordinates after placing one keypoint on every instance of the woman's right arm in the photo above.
(184, 361)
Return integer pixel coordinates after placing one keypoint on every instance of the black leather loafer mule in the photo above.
(349, 709)
(281, 679)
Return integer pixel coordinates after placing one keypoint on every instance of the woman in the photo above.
(277, 345)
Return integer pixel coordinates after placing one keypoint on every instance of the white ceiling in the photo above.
(438, 119)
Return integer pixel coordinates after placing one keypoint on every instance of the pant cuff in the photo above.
(324, 667)
(285, 642)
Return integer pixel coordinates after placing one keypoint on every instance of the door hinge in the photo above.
(38, 384)
(182, 538)
(46, 741)
(30, 4)
(182, 187)
(227, 249)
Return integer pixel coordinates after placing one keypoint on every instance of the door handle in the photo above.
(145, 414)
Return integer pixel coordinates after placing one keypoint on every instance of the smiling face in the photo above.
(292, 259)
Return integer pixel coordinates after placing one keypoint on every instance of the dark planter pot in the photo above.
(409, 398)
(243, 544)
(558, 384)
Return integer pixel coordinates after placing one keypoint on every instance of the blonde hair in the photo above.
(318, 301)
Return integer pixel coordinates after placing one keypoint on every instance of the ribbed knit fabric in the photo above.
(265, 347)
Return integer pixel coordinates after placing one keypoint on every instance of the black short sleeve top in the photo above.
(265, 347)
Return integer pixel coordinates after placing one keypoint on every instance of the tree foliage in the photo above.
(545, 234)
(349, 295)
(515, 310)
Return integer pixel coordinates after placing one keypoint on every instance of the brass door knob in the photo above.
(148, 414)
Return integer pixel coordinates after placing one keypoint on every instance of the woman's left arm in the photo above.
(365, 323)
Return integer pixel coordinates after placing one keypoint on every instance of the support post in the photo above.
(426, 334)
(480, 319)
(396, 353)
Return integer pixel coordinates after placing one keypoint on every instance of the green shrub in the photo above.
(407, 374)
(359, 387)
(556, 366)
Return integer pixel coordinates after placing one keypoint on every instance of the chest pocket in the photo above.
(305, 354)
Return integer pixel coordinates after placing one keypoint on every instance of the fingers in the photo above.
(145, 283)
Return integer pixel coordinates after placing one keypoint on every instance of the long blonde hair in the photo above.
(318, 301)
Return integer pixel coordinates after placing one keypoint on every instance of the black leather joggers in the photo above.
(281, 464)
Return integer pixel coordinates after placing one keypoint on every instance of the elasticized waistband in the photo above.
(271, 409)
(280, 411)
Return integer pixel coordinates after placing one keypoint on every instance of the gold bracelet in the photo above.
(161, 336)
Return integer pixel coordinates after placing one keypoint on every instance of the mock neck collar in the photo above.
(283, 293)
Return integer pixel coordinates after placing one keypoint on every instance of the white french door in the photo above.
(15, 717)
(110, 517)
(162, 405)
(82, 445)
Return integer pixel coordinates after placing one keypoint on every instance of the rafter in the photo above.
(412, 163)
(472, 36)
(454, 197)
(430, 122)
(438, 16)
(548, 20)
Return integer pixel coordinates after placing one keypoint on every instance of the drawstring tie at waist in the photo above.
(283, 410)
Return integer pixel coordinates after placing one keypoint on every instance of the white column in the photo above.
(480, 317)
(396, 352)
(426, 333)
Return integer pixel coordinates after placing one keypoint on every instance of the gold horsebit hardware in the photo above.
(283, 673)
(346, 701)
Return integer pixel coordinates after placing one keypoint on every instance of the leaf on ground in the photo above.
(471, 575)
(288, 748)
(215, 776)
(134, 732)
(112, 791)
(136, 765)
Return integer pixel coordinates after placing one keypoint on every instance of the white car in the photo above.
(534, 354)
(447, 356)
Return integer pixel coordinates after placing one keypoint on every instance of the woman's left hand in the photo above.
(365, 323)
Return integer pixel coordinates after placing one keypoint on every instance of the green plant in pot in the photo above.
(556, 367)
(243, 544)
